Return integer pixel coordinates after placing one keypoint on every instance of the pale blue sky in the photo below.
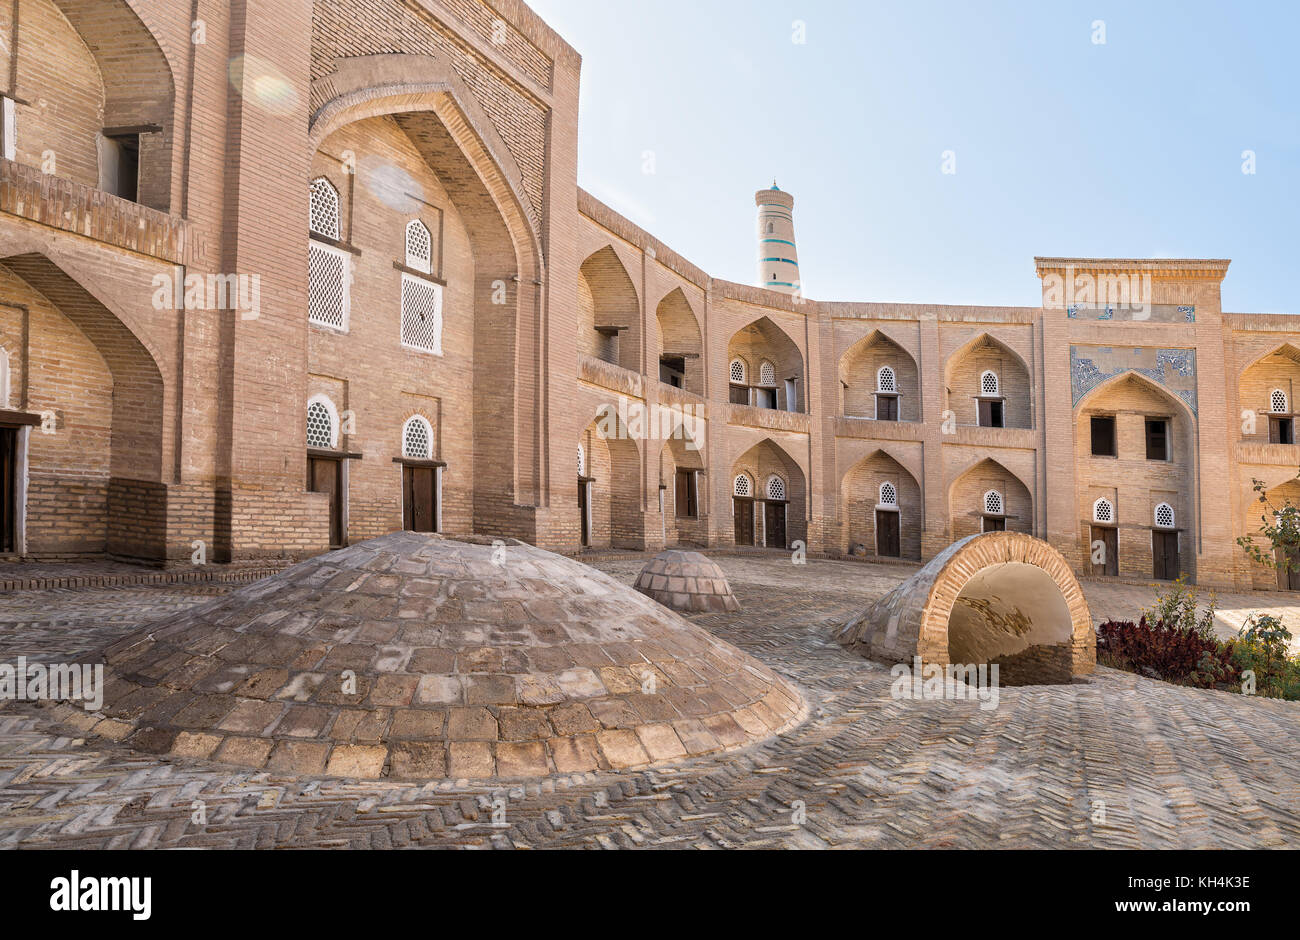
(1063, 146)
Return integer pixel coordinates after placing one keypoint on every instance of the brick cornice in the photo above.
(1210, 268)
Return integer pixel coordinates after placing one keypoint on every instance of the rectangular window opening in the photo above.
(1157, 439)
(1103, 437)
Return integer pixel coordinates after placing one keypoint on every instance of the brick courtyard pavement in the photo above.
(1113, 761)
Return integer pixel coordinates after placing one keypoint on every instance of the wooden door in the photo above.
(774, 524)
(325, 475)
(887, 541)
(584, 510)
(744, 513)
(1110, 564)
(1164, 548)
(420, 499)
(8, 490)
(1288, 575)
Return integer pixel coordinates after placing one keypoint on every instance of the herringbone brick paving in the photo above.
(1115, 761)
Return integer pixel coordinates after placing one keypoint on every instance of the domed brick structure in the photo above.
(422, 658)
(1002, 597)
(687, 582)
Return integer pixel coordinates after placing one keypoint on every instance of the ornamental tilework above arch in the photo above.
(1174, 369)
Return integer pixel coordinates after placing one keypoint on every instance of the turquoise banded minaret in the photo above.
(778, 258)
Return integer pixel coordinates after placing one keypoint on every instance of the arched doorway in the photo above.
(881, 503)
(769, 501)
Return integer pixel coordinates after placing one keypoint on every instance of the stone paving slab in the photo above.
(1113, 761)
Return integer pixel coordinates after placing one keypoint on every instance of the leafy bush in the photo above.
(1179, 606)
(1175, 653)
(1263, 648)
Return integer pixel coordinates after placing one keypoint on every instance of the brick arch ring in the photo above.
(1001, 598)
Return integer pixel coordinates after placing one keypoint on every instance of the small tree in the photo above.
(1278, 545)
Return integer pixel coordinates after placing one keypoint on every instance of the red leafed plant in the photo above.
(1172, 653)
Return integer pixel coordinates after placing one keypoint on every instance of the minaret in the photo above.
(778, 259)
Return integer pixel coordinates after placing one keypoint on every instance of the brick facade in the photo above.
(168, 420)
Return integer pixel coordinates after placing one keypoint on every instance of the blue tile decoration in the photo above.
(1189, 313)
(1173, 369)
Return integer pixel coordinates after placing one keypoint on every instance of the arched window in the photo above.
(738, 371)
(990, 387)
(743, 487)
(327, 265)
(1278, 401)
(417, 438)
(419, 246)
(582, 461)
(324, 208)
(1103, 511)
(766, 373)
(886, 381)
(1164, 516)
(771, 228)
(993, 504)
(322, 423)
(776, 488)
(888, 495)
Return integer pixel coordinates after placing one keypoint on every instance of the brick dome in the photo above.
(418, 657)
(686, 582)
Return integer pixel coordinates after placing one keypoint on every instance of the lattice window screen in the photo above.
(776, 488)
(885, 381)
(325, 208)
(1103, 511)
(742, 486)
(888, 495)
(421, 314)
(582, 461)
(320, 426)
(737, 372)
(1165, 516)
(989, 384)
(419, 247)
(993, 505)
(417, 439)
(327, 286)
(1279, 402)
(766, 374)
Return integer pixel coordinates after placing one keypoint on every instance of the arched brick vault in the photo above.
(139, 87)
(614, 466)
(608, 300)
(982, 474)
(139, 393)
(859, 370)
(1135, 496)
(679, 334)
(860, 495)
(764, 339)
(1023, 589)
(962, 373)
(447, 125)
(760, 462)
(1277, 368)
(682, 451)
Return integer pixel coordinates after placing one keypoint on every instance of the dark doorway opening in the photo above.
(1164, 548)
(887, 532)
(1109, 539)
(743, 509)
(420, 499)
(325, 475)
(774, 525)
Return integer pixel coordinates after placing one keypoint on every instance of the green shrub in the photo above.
(1263, 648)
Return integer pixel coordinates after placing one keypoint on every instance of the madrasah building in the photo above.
(277, 276)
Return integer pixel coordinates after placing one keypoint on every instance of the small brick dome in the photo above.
(418, 657)
(686, 582)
